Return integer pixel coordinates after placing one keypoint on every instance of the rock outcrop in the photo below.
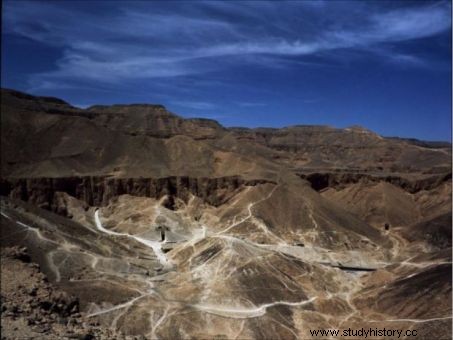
(320, 181)
(98, 191)
(32, 308)
(152, 120)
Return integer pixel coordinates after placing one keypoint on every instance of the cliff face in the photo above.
(98, 191)
(320, 181)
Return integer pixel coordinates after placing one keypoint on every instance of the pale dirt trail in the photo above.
(243, 312)
(154, 245)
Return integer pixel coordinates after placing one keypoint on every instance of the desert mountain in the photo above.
(151, 220)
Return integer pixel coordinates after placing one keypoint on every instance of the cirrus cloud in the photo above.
(145, 41)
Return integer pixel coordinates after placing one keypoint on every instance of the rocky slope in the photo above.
(33, 308)
(164, 227)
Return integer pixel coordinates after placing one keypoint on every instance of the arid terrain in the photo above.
(128, 221)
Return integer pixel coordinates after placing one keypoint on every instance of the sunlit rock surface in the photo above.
(168, 228)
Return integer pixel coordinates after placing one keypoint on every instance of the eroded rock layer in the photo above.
(97, 191)
(144, 224)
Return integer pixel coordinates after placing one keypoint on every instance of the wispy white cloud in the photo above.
(406, 24)
(134, 44)
(399, 25)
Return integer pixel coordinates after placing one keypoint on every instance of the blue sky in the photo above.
(385, 65)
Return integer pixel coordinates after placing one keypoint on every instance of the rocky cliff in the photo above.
(98, 191)
(320, 181)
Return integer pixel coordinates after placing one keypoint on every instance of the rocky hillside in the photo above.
(33, 308)
(146, 224)
(46, 137)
